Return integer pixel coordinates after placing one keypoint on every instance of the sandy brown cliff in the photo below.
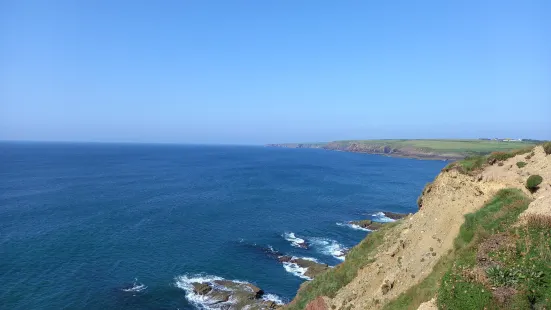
(413, 247)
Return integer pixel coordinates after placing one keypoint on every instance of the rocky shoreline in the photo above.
(210, 292)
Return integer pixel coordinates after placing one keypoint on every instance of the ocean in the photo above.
(128, 226)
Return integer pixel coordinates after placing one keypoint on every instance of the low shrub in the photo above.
(547, 147)
(533, 182)
(501, 156)
(521, 164)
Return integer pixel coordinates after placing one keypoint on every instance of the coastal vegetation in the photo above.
(452, 275)
(533, 182)
(547, 148)
(473, 164)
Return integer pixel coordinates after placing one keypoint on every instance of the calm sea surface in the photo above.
(92, 226)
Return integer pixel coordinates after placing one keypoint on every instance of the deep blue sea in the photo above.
(123, 226)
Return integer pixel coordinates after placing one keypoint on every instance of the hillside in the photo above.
(480, 239)
(423, 149)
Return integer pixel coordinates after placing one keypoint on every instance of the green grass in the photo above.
(328, 283)
(521, 164)
(495, 217)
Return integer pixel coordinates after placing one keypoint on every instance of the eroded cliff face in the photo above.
(415, 245)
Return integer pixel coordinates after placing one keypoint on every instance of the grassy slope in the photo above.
(462, 283)
(524, 267)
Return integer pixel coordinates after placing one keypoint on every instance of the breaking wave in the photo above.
(381, 217)
(295, 241)
(185, 282)
(330, 247)
(353, 226)
(135, 288)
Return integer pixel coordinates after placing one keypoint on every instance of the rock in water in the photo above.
(368, 224)
(284, 259)
(201, 288)
(395, 216)
(302, 244)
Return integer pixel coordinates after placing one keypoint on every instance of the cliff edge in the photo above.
(401, 257)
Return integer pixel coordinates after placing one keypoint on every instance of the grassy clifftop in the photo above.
(425, 149)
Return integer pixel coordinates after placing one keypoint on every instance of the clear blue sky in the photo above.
(253, 72)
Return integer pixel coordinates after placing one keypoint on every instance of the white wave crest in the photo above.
(200, 301)
(295, 241)
(136, 287)
(353, 226)
(381, 217)
(330, 247)
(185, 282)
(296, 270)
(274, 298)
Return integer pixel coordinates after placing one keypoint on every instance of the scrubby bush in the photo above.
(533, 182)
(547, 147)
(529, 155)
(501, 156)
(521, 164)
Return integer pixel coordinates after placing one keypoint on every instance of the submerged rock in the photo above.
(396, 216)
(368, 224)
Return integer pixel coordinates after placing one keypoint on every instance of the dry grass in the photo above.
(538, 220)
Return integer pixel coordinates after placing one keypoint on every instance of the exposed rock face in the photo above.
(231, 295)
(201, 288)
(318, 304)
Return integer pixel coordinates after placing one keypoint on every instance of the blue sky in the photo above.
(252, 72)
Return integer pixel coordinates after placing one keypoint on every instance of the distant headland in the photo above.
(421, 149)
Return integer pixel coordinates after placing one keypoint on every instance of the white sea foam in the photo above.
(353, 226)
(200, 301)
(274, 298)
(186, 281)
(136, 287)
(296, 270)
(330, 247)
(381, 217)
(295, 241)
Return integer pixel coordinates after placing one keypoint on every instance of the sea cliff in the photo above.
(422, 260)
